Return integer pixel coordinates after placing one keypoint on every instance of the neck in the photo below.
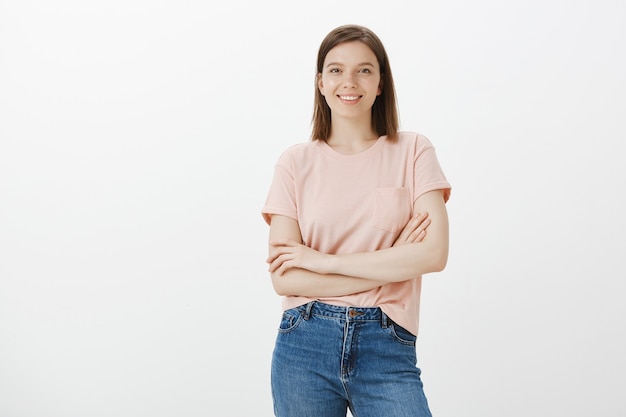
(351, 137)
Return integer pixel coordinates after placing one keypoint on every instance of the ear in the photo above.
(380, 88)
(320, 84)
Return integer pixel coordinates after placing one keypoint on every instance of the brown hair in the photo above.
(384, 110)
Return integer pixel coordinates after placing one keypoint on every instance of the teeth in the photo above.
(349, 97)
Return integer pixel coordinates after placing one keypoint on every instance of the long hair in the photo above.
(384, 110)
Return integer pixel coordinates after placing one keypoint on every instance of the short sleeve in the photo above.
(429, 175)
(281, 197)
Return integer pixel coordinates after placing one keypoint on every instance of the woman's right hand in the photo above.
(414, 231)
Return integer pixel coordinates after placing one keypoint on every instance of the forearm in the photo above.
(393, 264)
(402, 262)
(299, 270)
(305, 283)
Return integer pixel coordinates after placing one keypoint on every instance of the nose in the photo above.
(349, 80)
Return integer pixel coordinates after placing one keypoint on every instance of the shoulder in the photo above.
(298, 152)
(412, 137)
(413, 142)
(302, 147)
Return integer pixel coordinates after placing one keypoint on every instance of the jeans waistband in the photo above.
(317, 308)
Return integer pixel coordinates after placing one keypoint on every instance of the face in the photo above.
(350, 79)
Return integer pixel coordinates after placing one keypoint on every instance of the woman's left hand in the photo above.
(290, 254)
(414, 231)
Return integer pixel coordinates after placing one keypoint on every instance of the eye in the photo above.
(334, 70)
(366, 70)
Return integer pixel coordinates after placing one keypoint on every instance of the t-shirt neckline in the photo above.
(354, 156)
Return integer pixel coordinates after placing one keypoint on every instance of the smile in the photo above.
(349, 98)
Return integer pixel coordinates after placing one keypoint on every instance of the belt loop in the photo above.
(384, 320)
(307, 312)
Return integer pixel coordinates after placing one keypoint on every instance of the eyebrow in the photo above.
(330, 64)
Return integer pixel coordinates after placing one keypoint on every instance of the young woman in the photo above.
(357, 215)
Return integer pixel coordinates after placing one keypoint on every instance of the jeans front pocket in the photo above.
(392, 208)
(402, 335)
(290, 320)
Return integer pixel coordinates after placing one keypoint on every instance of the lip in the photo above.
(349, 98)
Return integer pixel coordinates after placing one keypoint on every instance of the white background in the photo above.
(137, 142)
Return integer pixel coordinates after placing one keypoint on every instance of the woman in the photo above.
(357, 215)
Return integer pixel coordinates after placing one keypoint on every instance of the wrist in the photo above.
(330, 264)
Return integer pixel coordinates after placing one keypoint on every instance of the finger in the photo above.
(284, 267)
(416, 221)
(412, 224)
(423, 225)
(276, 251)
(281, 270)
(272, 266)
(420, 217)
(410, 227)
(411, 230)
(278, 262)
(420, 236)
(273, 255)
(404, 234)
(416, 236)
(420, 232)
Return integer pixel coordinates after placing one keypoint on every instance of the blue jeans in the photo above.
(328, 358)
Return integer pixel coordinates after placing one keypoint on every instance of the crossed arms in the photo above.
(421, 247)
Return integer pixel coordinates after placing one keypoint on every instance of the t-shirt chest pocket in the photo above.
(392, 208)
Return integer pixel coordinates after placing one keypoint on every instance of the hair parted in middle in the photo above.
(384, 110)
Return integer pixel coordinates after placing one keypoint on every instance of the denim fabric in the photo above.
(328, 358)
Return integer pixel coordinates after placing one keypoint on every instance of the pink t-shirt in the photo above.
(357, 203)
